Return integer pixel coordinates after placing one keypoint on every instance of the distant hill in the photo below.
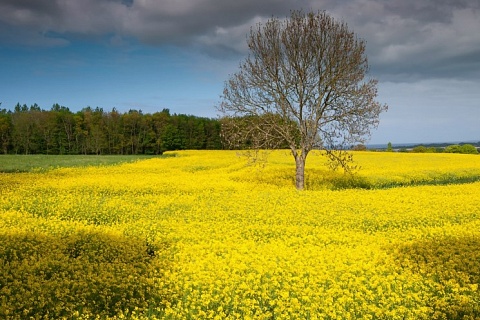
(428, 145)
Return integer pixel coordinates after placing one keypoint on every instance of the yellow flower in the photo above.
(201, 235)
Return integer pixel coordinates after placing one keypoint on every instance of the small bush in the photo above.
(420, 149)
(360, 147)
(469, 149)
(454, 148)
(466, 149)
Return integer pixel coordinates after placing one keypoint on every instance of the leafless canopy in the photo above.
(302, 86)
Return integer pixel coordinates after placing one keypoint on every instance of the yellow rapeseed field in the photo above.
(203, 236)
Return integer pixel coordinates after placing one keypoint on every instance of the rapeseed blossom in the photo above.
(202, 236)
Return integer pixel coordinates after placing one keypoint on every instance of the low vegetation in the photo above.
(464, 148)
(22, 163)
(202, 235)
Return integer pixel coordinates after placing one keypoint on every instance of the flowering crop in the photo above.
(201, 235)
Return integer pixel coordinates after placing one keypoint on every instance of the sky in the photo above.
(177, 54)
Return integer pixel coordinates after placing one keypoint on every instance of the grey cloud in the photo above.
(418, 38)
(87, 17)
(430, 10)
(37, 7)
(405, 38)
(185, 21)
(152, 21)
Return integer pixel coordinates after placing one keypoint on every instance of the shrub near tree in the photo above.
(423, 149)
(419, 149)
(469, 149)
(454, 148)
(360, 147)
(465, 148)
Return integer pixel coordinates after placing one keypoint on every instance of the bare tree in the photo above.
(303, 85)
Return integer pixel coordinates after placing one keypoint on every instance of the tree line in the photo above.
(465, 148)
(33, 130)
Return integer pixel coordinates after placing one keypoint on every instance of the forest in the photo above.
(33, 130)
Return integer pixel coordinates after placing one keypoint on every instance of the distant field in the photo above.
(204, 236)
(27, 163)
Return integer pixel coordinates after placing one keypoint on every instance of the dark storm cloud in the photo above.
(412, 39)
(430, 10)
(405, 38)
(213, 24)
(30, 22)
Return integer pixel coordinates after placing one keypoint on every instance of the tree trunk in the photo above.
(300, 172)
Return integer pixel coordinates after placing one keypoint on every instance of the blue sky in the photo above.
(156, 54)
(95, 74)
